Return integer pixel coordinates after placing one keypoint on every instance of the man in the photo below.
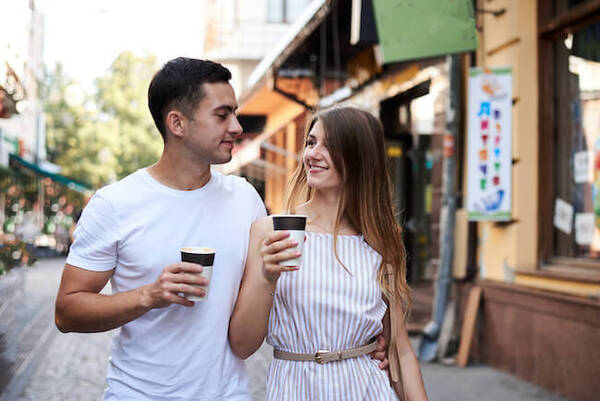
(131, 233)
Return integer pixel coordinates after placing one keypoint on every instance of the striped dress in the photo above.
(323, 307)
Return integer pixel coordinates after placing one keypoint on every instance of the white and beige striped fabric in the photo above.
(324, 307)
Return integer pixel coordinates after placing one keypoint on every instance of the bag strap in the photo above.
(393, 352)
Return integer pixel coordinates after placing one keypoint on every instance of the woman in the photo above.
(353, 266)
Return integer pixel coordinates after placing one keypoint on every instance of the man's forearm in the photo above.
(88, 312)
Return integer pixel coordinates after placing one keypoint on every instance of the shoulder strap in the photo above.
(393, 356)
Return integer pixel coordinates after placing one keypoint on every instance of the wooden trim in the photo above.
(576, 17)
(491, 290)
(468, 327)
(586, 264)
(546, 148)
(564, 272)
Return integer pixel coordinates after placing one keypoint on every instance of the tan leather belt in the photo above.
(324, 356)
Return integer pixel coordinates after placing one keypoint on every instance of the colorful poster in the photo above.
(489, 155)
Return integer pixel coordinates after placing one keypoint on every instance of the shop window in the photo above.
(570, 136)
(560, 6)
(577, 143)
(284, 11)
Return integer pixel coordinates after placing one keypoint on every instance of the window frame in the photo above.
(549, 28)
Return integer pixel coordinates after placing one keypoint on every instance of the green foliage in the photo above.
(101, 138)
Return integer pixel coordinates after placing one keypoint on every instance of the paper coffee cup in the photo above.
(295, 225)
(202, 256)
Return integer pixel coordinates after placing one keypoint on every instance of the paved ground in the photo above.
(38, 363)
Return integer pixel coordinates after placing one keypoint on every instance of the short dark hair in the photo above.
(179, 85)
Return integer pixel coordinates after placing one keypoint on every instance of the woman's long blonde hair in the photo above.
(355, 141)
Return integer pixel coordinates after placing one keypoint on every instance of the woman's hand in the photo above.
(274, 248)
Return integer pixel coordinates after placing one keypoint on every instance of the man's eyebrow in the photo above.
(226, 107)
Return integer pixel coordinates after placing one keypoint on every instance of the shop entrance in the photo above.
(415, 167)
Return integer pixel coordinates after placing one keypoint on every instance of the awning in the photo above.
(269, 103)
(67, 182)
(315, 13)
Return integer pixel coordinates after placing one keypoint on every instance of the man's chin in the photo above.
(222, 159)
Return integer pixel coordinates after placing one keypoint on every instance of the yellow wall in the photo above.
(510, 40)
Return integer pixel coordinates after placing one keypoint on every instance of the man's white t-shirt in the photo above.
(137, 226)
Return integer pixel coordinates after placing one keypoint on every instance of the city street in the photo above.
(39, 363)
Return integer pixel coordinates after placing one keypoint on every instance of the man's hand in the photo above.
(380, 353)
(175, 280)
(273, 250)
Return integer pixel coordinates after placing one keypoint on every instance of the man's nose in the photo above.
(235, 127)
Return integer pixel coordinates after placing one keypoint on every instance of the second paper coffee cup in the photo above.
(295, 224)
(202, 256)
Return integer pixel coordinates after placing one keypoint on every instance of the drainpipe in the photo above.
(428, 347)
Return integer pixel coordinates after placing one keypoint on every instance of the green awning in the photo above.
(416, 29)
(67, 182)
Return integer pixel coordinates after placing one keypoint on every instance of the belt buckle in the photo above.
(319, 356)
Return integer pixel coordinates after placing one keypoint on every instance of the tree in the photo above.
(122, 98)
(100, 138)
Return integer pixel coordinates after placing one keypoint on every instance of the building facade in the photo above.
(539, 313)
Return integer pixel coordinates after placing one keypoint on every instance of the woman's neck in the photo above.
(322, 211)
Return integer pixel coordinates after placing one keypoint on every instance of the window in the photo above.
(577, 142)
(560, 6)
(285, 11)
(276, 11)
(570, 133)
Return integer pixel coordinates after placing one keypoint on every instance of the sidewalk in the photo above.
(37, 362)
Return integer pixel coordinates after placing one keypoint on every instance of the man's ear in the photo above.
(175, 122)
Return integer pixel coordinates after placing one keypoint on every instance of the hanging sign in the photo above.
(489, 155)
(417, 29)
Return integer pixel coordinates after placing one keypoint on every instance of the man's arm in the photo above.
(81, 308)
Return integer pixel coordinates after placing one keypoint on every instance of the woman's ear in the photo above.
(175, 123)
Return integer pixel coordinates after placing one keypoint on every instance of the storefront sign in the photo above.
(490, 144)
(415, 29)
(563, 216)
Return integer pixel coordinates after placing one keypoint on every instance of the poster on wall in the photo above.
(489, 155)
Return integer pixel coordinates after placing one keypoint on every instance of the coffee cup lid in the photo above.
(197, 249)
